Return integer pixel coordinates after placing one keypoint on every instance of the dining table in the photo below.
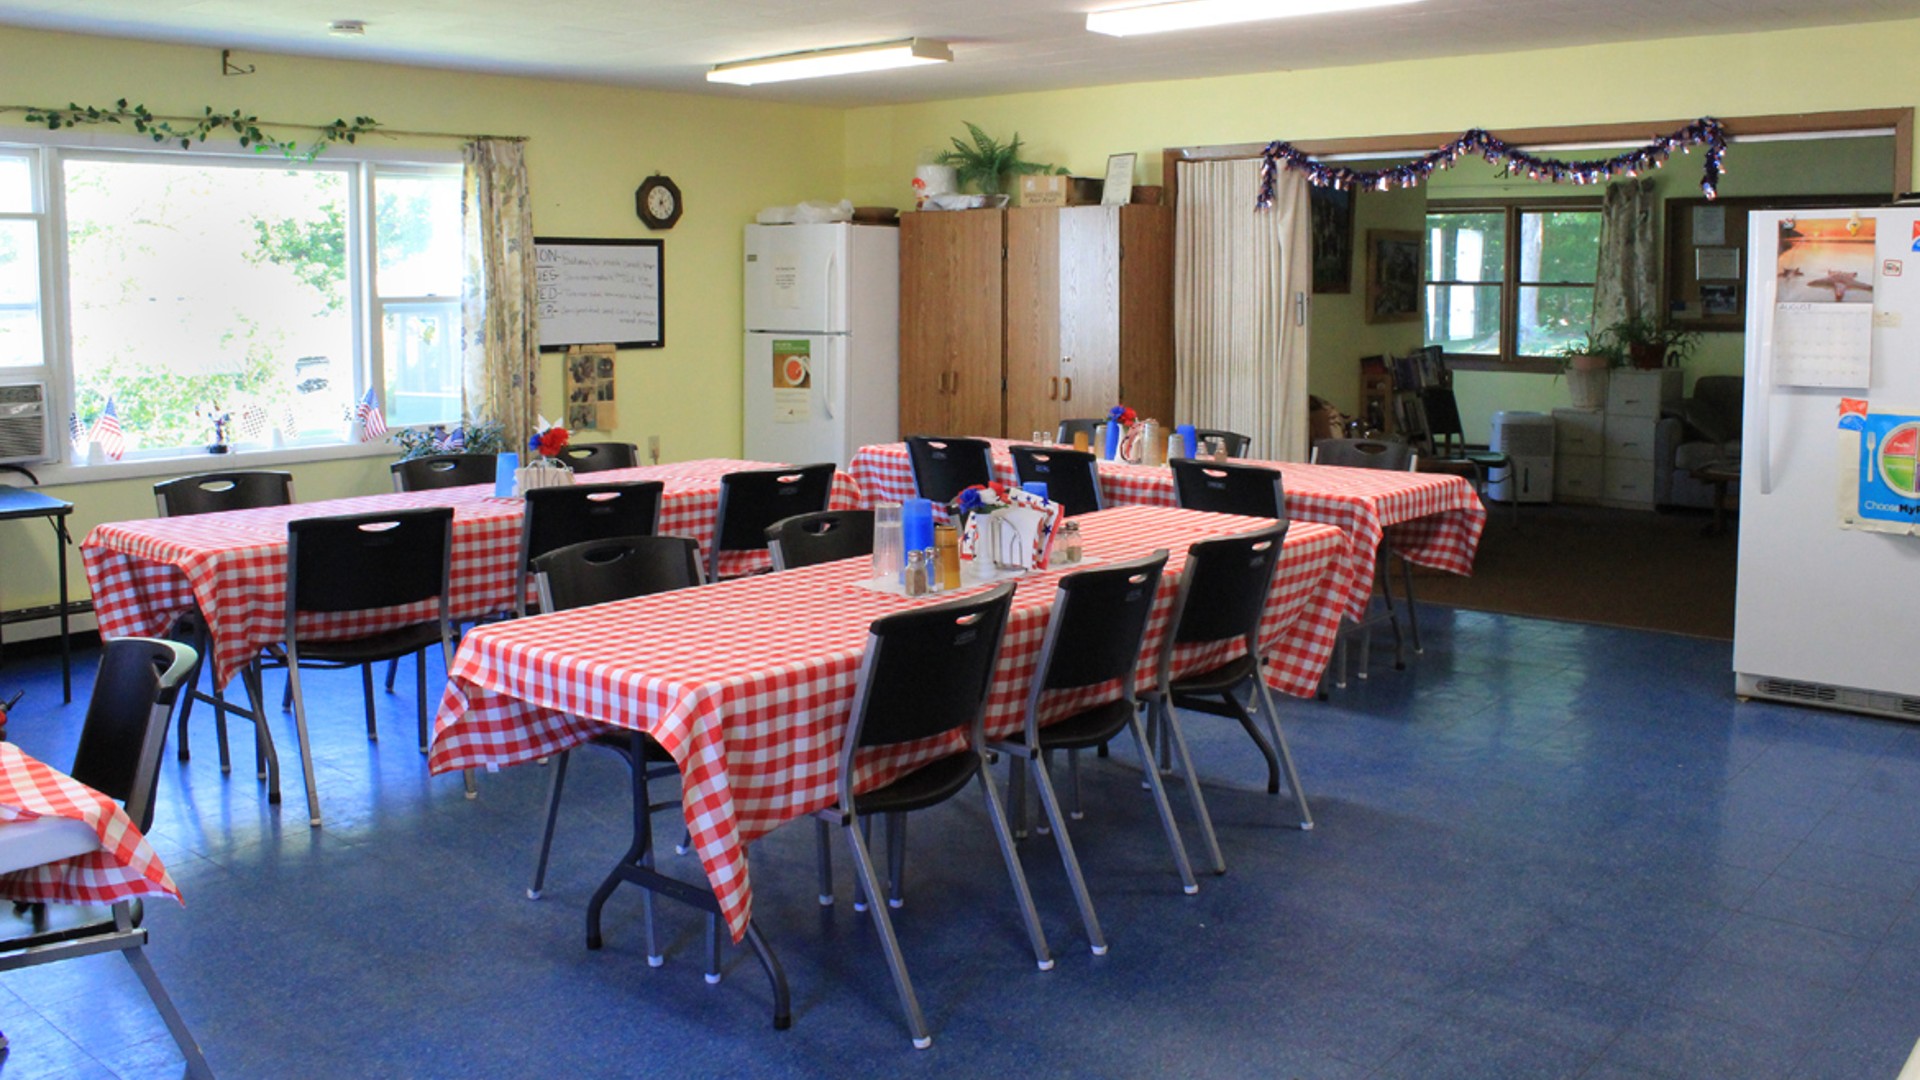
(63, 842)
(748, 683)
(1434, 519)
(233, 565)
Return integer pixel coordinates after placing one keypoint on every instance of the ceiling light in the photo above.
(845, 60)
(347, 28)
(1189, 14)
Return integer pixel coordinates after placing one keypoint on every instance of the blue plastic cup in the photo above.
(504, 467)
(1189, 439)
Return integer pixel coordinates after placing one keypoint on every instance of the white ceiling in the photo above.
(999, 46)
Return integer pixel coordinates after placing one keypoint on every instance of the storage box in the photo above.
(1059, 191)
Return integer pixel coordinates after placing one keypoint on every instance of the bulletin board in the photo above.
(592, 292)
(1707, 256)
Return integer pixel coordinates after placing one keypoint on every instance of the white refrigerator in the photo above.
(822, 357)
(1829, 572)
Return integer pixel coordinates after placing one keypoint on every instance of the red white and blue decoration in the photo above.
(1705, 131)
(106, 432)
(373, 424)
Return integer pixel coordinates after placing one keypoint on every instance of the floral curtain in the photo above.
(1628, 281)
(501, 355)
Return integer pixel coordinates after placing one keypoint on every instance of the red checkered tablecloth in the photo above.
(123, 868)
(748, 683)
(145, 574)
(1435, 518)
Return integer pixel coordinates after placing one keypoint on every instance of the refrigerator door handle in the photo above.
(826, 384)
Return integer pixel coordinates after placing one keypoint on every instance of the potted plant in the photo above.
(986, 162)
(1585, 365)
(1647, 344)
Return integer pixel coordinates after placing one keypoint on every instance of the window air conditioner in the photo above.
(23, 424)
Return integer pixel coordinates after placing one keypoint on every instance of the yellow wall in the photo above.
(588, 148)
(592, 145)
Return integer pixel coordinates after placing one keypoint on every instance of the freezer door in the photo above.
(796, 399)
(796, 278)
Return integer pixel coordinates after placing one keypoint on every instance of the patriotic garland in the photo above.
(1705, 131)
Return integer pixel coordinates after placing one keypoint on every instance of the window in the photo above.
(190, 285)
(1509, 283)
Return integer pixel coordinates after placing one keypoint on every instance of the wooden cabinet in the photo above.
(952, 345)
(1084, 297)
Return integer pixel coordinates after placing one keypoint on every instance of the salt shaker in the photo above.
(916, 573)
(1070, 543)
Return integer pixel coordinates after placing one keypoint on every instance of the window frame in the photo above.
(56, 370)
(1510, 284)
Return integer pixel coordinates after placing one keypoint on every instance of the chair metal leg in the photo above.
(1286, 755)
(420, 694)
(860, 893)
(366, 699)
(869, 884)
(558, 782)
(1073, 773)
(266, 758)
(1179, 741)
(1266, 750)
(713, 949)
(306, 747)
(197, 1066)
(1023, 896)
(1179, 846)
(1383, 574)
(393, 666)
(1050, 802)
(1017, 792)
(219, 728)
(823, 845)
(896, 860)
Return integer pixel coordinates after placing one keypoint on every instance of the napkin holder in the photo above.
(1014, 538)
(541, 475)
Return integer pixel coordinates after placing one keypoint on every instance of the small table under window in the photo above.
(17, 503)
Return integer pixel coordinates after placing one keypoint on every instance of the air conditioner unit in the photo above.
(1527, 438)
(24, 437)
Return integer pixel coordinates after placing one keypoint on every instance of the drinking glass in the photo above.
(1042, 438)
(889, 545)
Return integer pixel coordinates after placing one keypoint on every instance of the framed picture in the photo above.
(1118, 189)
(1332, 239)
(1393, 276)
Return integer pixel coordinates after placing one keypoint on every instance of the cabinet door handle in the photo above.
(1069, 396)
(1053, 389)
(945, 378)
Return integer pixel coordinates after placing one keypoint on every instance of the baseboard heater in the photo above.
(1826, 696)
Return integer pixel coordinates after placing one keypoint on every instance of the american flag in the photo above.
(106, 432)
(252, 425)
(76, 432)
(455, 442)
(373, 425)
(289, 425)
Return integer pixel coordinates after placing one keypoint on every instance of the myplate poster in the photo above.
(1886, 475)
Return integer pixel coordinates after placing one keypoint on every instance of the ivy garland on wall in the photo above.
(187, 130)
(1705, 131)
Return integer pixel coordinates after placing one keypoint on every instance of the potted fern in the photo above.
(985, 163)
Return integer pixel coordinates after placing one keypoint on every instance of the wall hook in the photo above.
(228, 67)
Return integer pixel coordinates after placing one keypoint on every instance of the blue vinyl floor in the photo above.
(1545, 850)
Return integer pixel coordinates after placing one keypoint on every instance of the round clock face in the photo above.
(658, 202)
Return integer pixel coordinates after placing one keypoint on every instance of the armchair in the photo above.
(1706, 429)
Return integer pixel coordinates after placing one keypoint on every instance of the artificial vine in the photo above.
(190, 130)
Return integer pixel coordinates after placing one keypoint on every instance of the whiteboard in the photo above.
(592, 292)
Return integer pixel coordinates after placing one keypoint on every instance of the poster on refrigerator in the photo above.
(1883, 469)
(1823, 302)
(792, 381)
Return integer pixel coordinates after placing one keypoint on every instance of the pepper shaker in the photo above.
(916, 573)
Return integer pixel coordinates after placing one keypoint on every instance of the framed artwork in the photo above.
(1393, 276)
(1332, 239)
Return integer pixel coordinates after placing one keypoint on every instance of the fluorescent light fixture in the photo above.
(846, 60)
(1191, 14)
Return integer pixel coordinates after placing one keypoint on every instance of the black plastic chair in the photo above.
(364, 562)
(1237, 444)
(1224, 488)
(596, 572)
(121, 741)
(1223, 592)
(443, 471)
(1064, 435)
(819, 537)
(1099, 618)
(926, 672)
(943, 468)
(212, 493)
(596, 457)
(753, 499)
(574, 513)
(1390, 455)
(1072, 476)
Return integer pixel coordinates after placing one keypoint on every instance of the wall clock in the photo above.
(657, 202)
